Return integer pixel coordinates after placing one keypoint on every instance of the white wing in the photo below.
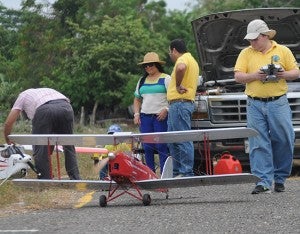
(194, 181)
(157, 137)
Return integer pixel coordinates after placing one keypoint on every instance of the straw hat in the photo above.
(151, 57)
(256, 27)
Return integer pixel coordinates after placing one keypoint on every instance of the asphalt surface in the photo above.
(209, 209)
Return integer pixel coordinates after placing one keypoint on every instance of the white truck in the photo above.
(220, 101)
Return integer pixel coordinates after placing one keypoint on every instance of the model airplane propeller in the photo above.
(128, 174)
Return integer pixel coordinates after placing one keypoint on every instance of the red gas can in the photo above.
(227, 164)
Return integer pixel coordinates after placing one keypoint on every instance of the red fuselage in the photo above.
(128, 169)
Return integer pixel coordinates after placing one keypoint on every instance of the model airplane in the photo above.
(128, 174)
(14, 162)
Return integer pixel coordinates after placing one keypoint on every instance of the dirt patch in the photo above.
(43, 200)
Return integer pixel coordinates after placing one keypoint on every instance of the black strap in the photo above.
(142, 81)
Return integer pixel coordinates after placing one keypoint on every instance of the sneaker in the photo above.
(279, 187)
(260, 189)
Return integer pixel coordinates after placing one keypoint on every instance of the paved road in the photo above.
(214, 209)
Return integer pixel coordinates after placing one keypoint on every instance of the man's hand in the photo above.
(181, 89)
(261, 76)
(162, 114)
(281, 74)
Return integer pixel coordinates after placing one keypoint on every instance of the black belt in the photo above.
(180, 100)
(268, 99)
(152, 115)
(55, 101)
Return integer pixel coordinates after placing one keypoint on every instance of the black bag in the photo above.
(7, 150)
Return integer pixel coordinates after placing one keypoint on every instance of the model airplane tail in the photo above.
(168, 169)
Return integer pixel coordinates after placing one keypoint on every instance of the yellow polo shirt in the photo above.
(250, 60)
(189, 80)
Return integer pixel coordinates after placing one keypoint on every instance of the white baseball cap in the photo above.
(256, 27)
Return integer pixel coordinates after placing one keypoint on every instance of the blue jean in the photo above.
(271, 152)
(149, 123)
(103, 172)
(179, 119)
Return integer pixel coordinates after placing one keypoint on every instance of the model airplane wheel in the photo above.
(23, 172)
(146, 199)
(103, 201)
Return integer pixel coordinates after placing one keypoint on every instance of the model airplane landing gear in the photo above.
(118, 191)
(146, 199)
(103, 201)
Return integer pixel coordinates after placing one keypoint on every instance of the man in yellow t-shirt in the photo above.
(181, 95)
(268, 110)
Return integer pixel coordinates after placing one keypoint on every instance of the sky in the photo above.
(171, 4)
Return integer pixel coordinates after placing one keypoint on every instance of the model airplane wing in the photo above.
(196, 135)
(78, 149)
(157, 137)
(80, 185)
(198, 181)
(145, 184)
(63, 139)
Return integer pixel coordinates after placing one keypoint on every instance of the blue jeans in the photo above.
(179, 119)
(149, 123)
(271, 152)
(103, 172)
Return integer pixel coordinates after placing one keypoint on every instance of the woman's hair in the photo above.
(179, 45)
(159, 67)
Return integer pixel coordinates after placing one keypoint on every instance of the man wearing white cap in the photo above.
(268, 110)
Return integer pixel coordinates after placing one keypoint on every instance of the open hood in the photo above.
(220, 37)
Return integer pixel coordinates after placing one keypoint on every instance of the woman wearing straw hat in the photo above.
(151, 105)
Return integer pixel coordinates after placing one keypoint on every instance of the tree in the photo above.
(101, 60)
(9, 66)
(38, 49)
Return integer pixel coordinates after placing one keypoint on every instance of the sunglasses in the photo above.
(148, 65)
